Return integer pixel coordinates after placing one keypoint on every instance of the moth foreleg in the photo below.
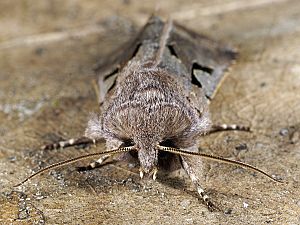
(82, 141)
(195, 179)
(96, 164)
(228, 127)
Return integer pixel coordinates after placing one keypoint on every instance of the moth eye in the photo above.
(167, 143)
(127, 143)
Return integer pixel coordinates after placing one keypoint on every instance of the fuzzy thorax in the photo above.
(147, 108)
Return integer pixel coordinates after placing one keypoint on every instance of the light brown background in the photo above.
(47, 52)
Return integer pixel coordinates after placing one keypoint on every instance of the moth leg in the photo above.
(96, 164)
(195, 179)
(110, 144)
(82, 141)
(226, 127)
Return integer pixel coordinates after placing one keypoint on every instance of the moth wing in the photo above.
(108, 69)
(206, 59)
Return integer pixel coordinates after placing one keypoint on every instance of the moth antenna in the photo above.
(73, 160)
(215, 158)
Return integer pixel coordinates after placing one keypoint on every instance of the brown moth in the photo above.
(154, 99)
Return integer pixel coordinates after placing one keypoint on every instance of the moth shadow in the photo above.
(173, 182)
(179, 183)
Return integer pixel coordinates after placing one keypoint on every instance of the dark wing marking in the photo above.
(108, 69)
(207, 60)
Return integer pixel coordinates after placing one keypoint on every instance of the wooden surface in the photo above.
(48, 50)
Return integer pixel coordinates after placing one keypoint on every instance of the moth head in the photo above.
(146, 147)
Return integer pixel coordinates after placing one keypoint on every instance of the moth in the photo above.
(153, 96)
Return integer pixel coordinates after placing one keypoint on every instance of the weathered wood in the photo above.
(47, 55)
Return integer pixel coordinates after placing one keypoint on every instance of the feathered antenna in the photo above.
(215, 158)
(73, 160)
